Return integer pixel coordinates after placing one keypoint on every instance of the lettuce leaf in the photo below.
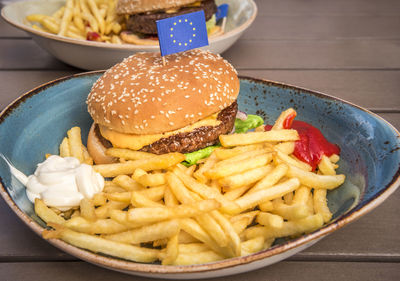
(252, 121)
(193, 157)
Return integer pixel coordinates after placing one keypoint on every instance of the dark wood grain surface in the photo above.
(345, 48)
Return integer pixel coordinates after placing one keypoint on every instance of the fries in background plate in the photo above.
(93, 20)
(236, 202)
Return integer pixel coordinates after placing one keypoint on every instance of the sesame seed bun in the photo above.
(142, 96)
(141, 6)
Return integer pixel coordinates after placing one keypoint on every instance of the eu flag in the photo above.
(182, 33)
(222, 11)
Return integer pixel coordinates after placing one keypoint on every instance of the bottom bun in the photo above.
(97, 149)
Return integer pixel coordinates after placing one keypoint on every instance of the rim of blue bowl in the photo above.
(134, 267)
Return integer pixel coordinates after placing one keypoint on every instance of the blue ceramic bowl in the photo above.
(36, 122)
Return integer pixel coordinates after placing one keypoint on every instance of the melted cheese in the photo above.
(136, 142)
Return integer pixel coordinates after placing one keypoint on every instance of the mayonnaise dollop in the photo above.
(63, 182)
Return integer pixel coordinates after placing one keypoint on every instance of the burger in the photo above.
(144, 105)
(141, 17)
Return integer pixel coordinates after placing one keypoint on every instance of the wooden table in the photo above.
(345, 48)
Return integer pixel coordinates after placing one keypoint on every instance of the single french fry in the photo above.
(224, 153)
(96, 13)
(146, 179)
(193, 248)
(139, 200)
(103, 211)
(231, 168)
(266, 206)
(100, 245)
(234, 194)
(247, 177)
(64, 148)
(99, 199)
(160, 230)
(326, 166)
(155, 214)
(197, 258)
(288, 198)
(334, 158)
(271, 178)
(292, 161)
(252, 245)
(87, 209)
(286, 147)
(253, 199)
(280, 121)
(289, 228)
(320, 204)
(100, 226)
(199, 174)
(301, 195)
(66, 19)
(258, 137)
(268, 219)
(75, 143)
(163, 161)
(315, 181)
(172, 251)
(290, 212)
(128, 154)
(77, 17)
(127, 183)
(46, 214)
(169, 198)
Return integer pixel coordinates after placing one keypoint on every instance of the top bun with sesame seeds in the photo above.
(142, 96)
(181, 106)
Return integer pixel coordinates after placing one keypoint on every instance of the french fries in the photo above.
(237, 201)
(94, 20)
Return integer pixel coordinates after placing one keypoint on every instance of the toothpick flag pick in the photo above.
(182, 33)
(222, 11)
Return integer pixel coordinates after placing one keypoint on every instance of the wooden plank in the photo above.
(9, 31)
(317, 26)
(321, 54)
(359, 87)
(248, 54)
(16, 83)
(26, 54)
(299, 271)
(371, 238)
(327, 7)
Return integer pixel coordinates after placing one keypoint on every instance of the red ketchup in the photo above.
(312, 145)
(93, 36)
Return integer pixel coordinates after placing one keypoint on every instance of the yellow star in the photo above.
(185, 44)
(185, 20)
(194, 28)
(172, 35)
(180, 20)
(180, 44)
(174, 23)
(172, 29)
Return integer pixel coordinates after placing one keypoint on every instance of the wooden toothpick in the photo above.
(163, 61)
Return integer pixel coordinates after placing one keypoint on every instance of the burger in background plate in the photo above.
(141, 28)
(182, 106)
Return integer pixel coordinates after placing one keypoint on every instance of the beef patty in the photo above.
(189, 141)
(146, 22)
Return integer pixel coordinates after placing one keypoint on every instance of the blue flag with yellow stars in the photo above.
(182, 33)
(222, 11)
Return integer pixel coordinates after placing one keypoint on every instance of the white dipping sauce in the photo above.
(63, 182)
